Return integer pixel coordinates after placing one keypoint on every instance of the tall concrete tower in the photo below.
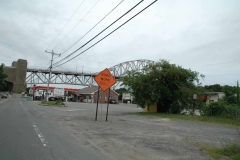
(16, 75)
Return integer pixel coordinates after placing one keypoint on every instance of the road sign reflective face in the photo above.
(105, 80)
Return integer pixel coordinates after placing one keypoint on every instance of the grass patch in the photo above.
(214, 120)
(232, 151)
(53, 103)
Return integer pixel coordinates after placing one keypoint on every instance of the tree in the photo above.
(238, 94)
(214, 88)
(168, 85)
(230, 92)
(3, 76)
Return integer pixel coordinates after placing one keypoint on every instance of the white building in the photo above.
(127, 98)
(214, 96)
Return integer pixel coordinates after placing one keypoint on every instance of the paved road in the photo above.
(26, 135)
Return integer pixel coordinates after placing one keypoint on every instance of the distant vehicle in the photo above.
(52, 99)
(4, 96)
(112, 101)
(56, 99)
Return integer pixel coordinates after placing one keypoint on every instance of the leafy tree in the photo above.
(238, 94)
(214, 88)
(168, 85)
(230, 92)
(3, 76)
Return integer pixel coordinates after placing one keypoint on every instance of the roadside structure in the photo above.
(41, 92)
(214, 96)
(89, 95)
(16, 79)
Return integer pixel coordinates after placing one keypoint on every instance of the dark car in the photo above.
(55, 99)
(4, 96)
(51, 99)
(112, 101)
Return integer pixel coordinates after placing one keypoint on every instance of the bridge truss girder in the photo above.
(41, 76)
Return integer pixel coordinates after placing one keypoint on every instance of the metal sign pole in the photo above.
(97, 105)
(108, 103)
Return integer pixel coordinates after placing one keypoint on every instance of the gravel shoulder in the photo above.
(129, 136)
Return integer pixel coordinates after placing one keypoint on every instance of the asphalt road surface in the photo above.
(26, 136)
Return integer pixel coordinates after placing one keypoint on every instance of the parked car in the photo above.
(56, 99)
(4, 96)
(52, 99)
(112, 101)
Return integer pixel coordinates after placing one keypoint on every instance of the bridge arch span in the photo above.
(41, 76)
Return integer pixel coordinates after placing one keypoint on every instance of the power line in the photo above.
(107, 34)
(213, 64)
(93, 27)
(65, 24)
(76, 25)
(222, 75)
(99, 33)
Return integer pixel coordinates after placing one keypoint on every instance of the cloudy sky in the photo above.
(203, 35)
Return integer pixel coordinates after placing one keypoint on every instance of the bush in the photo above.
(220, 109)
(53, 103)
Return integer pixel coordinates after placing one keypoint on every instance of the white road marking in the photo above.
(40, 135)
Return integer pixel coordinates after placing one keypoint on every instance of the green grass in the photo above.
(232, 151)
(53, 103)
(214, 120)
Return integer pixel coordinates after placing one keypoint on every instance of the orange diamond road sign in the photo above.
(105, 79)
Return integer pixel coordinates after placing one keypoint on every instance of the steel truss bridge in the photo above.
(41, 76)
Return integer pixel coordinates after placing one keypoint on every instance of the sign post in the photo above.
(108, 103)
(104, 80)
(97, 105)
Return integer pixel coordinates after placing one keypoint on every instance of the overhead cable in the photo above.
(77, 24)
(99, 33)
(93, 27)
(214, 63)
(106, 35)
(65, 24)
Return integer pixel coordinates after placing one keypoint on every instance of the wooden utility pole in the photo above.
(50, 70)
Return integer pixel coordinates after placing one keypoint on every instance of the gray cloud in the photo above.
(192, 34)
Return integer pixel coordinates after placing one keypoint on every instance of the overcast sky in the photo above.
(203, 35)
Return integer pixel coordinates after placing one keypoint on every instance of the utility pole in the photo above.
(50, 69)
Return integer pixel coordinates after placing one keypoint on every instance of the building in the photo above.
(214, 96)
(16, 75)
(40, 92)
(90, 94)
(127, 98)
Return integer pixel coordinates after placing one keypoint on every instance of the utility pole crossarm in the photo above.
(53, 53)
(50, 68)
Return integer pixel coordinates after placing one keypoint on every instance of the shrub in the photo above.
(220, 109)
